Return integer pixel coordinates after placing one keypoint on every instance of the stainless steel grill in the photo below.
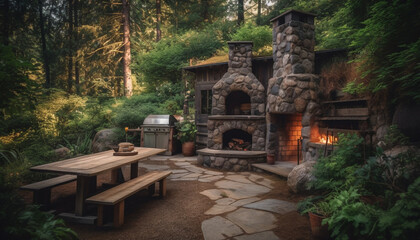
(158, 132)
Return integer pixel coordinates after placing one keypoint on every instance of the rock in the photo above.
(61, 152)
(300, 104)
(218, 228)
(300, 177)
(103, 140)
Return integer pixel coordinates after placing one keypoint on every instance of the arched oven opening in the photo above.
(236, 139)
(238, 103)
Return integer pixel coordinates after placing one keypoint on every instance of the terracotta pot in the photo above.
(319, 231)
(270, 159)
(188, 148)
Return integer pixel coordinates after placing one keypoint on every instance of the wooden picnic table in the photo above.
(88, 167)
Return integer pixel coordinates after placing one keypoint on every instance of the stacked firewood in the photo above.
(239, 145)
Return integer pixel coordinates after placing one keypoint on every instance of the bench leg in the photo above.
(152, 189)
(162, 187)
(119, 214)
(134, 170)
(42, 197)
(100, 220)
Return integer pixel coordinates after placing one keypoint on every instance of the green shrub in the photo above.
(83, 145)
(261, 36)
(337, 170)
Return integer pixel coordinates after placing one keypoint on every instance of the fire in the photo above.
(331, 139)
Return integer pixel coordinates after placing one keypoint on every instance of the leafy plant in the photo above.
(186, 131)
(350, 218)
(394, 137)
(83, 145)
(337, 170)
(261, 37)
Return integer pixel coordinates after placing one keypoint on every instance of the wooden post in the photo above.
(162, 187)
(100, 220)
(134, 170)
(119, 214)
(114, 176)
(152, 189)
(85, 187)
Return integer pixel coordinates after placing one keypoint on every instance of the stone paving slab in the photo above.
(153, 167)
(220, 209)
(225, 201)
(261, 180)
(178, 175)
(158, 158)
(185, 179)
(238, 178)
(218, 228)
(252, 221)
(268, 235)
(213, 173)
(245, 201)
(194, 169)
(182, 164)
(209, 179)
(238, 190)
(213, 194)
(273, 205)
(175, 171)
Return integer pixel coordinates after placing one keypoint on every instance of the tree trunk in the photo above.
(76, 39)
(241, 17)
(128, 85)
(6, 20)
(259, 13)
(44, 47)
(70, 47)
(205, 7)
(158, 20)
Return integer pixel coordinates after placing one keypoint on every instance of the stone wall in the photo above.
(235, 164)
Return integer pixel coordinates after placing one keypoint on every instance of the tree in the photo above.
(241, 18)
(158, 20)
(44, 46)
(128, 85)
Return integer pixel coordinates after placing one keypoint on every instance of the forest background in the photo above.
(70, 68)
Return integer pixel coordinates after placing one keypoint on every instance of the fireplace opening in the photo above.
(236, 139)
(238, 103)
(287, 134)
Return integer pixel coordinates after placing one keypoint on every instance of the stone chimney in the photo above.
(293, 43)
(293, 84)
(240, 57)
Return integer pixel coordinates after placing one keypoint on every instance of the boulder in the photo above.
(62, 152)
(104, 140)
(299, 178)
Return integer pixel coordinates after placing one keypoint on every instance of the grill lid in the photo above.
(167, 120)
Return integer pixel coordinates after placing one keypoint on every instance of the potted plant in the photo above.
(186, 134)
(318, 209)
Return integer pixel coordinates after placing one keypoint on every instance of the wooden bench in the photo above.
(42, 190)
(116, 195)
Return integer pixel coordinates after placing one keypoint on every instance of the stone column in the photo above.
(294, 86)
(240, 57)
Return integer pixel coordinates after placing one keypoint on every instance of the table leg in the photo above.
(114, 176)
(134, 170)
(85, 187)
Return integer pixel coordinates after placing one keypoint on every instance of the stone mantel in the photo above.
(236, 117)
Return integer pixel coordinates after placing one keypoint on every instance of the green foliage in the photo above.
(260, 35)
(394, 137)
(351, 219)
(402, 221)
(336, 171)
(83, 145)
(164, 62)
(186, 131)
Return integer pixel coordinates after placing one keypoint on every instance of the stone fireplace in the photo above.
(237, 123)
(292, 99)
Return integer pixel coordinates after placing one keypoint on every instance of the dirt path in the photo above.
(180, 214)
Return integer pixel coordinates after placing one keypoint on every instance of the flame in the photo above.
(331, 139)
